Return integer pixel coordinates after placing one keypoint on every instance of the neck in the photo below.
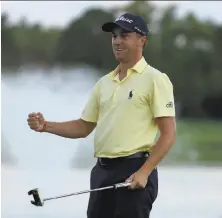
(124, 66)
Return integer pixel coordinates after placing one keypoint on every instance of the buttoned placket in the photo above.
(118, 84)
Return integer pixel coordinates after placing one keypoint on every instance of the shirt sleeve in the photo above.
(162, 103)
(90, 112)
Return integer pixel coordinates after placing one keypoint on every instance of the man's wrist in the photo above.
(147, 167)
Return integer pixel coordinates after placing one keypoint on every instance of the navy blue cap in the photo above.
(128, 22)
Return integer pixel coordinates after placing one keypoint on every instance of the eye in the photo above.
(114, 35)
(124, 35)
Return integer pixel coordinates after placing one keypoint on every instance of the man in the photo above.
(127, 106)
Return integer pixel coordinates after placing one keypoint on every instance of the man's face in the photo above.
(126, 44)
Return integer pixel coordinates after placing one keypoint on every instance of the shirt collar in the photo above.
(138, 67)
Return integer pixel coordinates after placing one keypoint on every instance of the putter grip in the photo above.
(122, 185)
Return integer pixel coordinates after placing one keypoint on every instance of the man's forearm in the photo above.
(69, 129)
(162, 147)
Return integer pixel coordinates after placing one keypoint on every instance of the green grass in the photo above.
(197, 142)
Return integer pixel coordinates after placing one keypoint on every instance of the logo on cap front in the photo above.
(122, 18)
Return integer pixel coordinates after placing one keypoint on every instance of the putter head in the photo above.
(37, 200)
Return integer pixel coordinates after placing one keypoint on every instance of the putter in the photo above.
(39, 202)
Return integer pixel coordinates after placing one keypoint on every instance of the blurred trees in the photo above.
(83, 42)
(187, 49)
(36, 44)
(27, 44)
(10, 50)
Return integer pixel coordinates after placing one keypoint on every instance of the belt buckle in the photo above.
(101, 162)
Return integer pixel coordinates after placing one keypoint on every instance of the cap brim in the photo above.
(110, 26)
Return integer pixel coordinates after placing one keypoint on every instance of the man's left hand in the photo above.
(138, 180)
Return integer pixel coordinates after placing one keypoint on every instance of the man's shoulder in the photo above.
(108, 76)
(153, 73)
(103, 80)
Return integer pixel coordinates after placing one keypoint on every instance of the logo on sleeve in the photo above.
(169, 104)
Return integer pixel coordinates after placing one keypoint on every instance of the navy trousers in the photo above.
(122, 202)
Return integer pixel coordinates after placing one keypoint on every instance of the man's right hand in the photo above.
(69, 129)
(36, 121)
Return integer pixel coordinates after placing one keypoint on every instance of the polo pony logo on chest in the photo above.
(130, 94)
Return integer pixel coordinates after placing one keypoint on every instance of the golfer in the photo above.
(128, 107)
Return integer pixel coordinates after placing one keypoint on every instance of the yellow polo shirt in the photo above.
(125, 110)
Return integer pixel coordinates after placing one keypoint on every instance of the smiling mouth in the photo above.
(118, 49)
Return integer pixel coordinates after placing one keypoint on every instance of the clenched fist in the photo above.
(36, 121)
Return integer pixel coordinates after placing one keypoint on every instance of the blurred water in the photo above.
(43, 160)
(59, 96)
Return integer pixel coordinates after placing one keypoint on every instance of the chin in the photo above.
(119, 58)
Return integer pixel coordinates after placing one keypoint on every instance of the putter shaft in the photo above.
(119, 185)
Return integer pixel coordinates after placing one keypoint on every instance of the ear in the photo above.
(142, 41)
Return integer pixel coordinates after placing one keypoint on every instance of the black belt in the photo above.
(108, 161)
